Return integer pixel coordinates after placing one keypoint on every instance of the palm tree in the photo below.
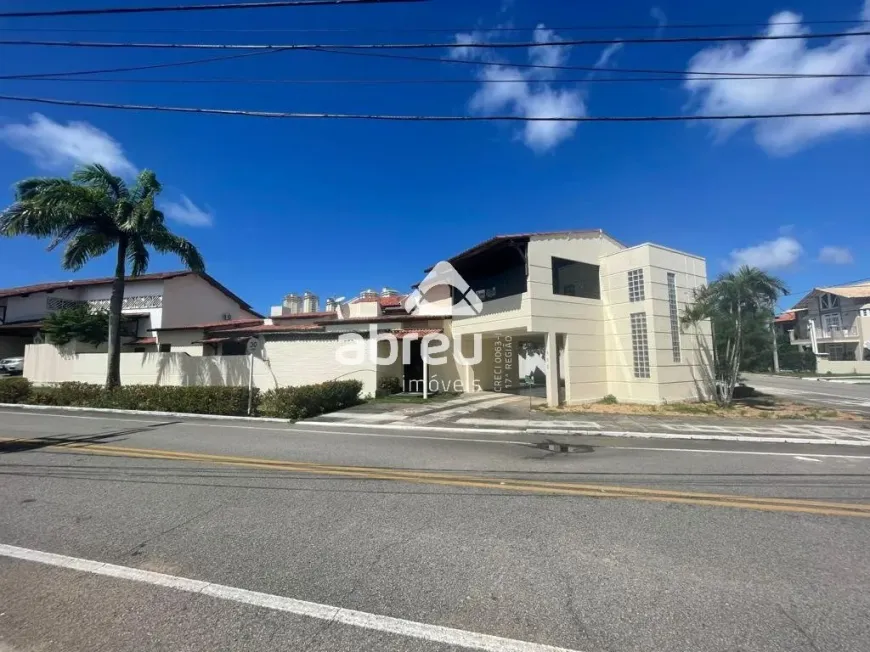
(730, 302)
(94, 212)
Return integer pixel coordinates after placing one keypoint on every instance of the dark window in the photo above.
(575, 279)
(234, 348)
(138, 349)
(165, 348)
(494, 274)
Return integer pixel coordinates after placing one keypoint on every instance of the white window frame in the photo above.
(674, 314)
(828, 326)
(640, 345)
(829, 301)
(636, 286)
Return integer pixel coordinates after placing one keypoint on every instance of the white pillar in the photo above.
(551, 354)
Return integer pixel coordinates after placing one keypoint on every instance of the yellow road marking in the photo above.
(792, 505)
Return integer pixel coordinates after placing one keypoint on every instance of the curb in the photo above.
(631, 434)
(185, 415)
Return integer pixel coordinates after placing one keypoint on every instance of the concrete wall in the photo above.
(842, 367)
(284, 362)
(182, 341)
(580, 319)
(193, 300)
(669, 380)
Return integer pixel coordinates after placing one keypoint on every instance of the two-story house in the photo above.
(151, 301)
(834, 322)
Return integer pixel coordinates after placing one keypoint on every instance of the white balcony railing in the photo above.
(802, 334)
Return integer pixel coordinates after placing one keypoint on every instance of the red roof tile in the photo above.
(419, 332)
(270, 328)
(787, 316)
(144, 340)
(214, 325)
(307, 315)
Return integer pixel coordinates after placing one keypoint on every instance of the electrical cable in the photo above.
(427, 118)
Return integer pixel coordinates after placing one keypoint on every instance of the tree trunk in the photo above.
(116, 303)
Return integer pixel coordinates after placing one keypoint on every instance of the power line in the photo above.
(409, 81)
(503, 64)
(273, 4)
(428, 46)
(426, 118)
(678, 74)
(191, 62)
(429, 30)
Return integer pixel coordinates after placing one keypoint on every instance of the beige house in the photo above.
(150, 301)
(581, 314)
(833, 322)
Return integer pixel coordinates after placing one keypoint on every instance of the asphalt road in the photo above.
(360, 539)
(839, 396)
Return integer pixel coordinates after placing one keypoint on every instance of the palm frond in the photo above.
(146, 185)
(137, 256)
(167, 242)
(99, 177)
(83, 247)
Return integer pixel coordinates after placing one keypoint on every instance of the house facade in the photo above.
(150, 301)
(571, 316)
(833, 322)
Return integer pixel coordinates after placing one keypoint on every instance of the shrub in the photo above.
(14, 390)
(610, 399)
(389, 386)
(309, 401)
(744, 391)
(229, 401)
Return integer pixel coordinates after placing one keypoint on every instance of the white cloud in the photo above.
(527, 93)
(607, 54)
(774, 254)
(842, 55)
(836, 256)
(186, 212)
(661, 19)
(54, 146)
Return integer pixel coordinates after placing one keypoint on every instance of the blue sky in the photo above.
(281, 206)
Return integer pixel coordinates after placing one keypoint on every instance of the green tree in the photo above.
(93, 213)
(78, 323)
(739, 306)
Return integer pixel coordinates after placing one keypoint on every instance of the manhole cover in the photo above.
(564, 448)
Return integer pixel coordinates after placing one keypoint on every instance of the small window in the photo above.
(635, 285)
(829, 301)
(674, 315)
(575, 279)
(138, 349)
(639, 345)
(165, 348)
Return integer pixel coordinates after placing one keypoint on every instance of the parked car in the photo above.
(12, 366)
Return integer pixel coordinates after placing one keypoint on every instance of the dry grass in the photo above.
(761, 407)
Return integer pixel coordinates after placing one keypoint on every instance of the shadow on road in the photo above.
(26, 445)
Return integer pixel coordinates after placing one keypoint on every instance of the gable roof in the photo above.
(523, 238)
(852, 291)
(107, 280)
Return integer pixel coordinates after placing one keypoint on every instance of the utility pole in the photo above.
(775, 348)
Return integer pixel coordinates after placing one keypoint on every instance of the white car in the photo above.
(12, 366)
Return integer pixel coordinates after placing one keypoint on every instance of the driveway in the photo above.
(839, 396)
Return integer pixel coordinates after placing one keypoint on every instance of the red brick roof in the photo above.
(269, 328)
(420, 332)
(212, 326)
(307, 315)
(107, 280)
(144, 340)
(787, 316)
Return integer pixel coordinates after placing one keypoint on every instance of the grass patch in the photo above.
(758, 406)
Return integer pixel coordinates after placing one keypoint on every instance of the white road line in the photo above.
(805, 459)
(361, 619)
(521, 423)
(715, 452)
